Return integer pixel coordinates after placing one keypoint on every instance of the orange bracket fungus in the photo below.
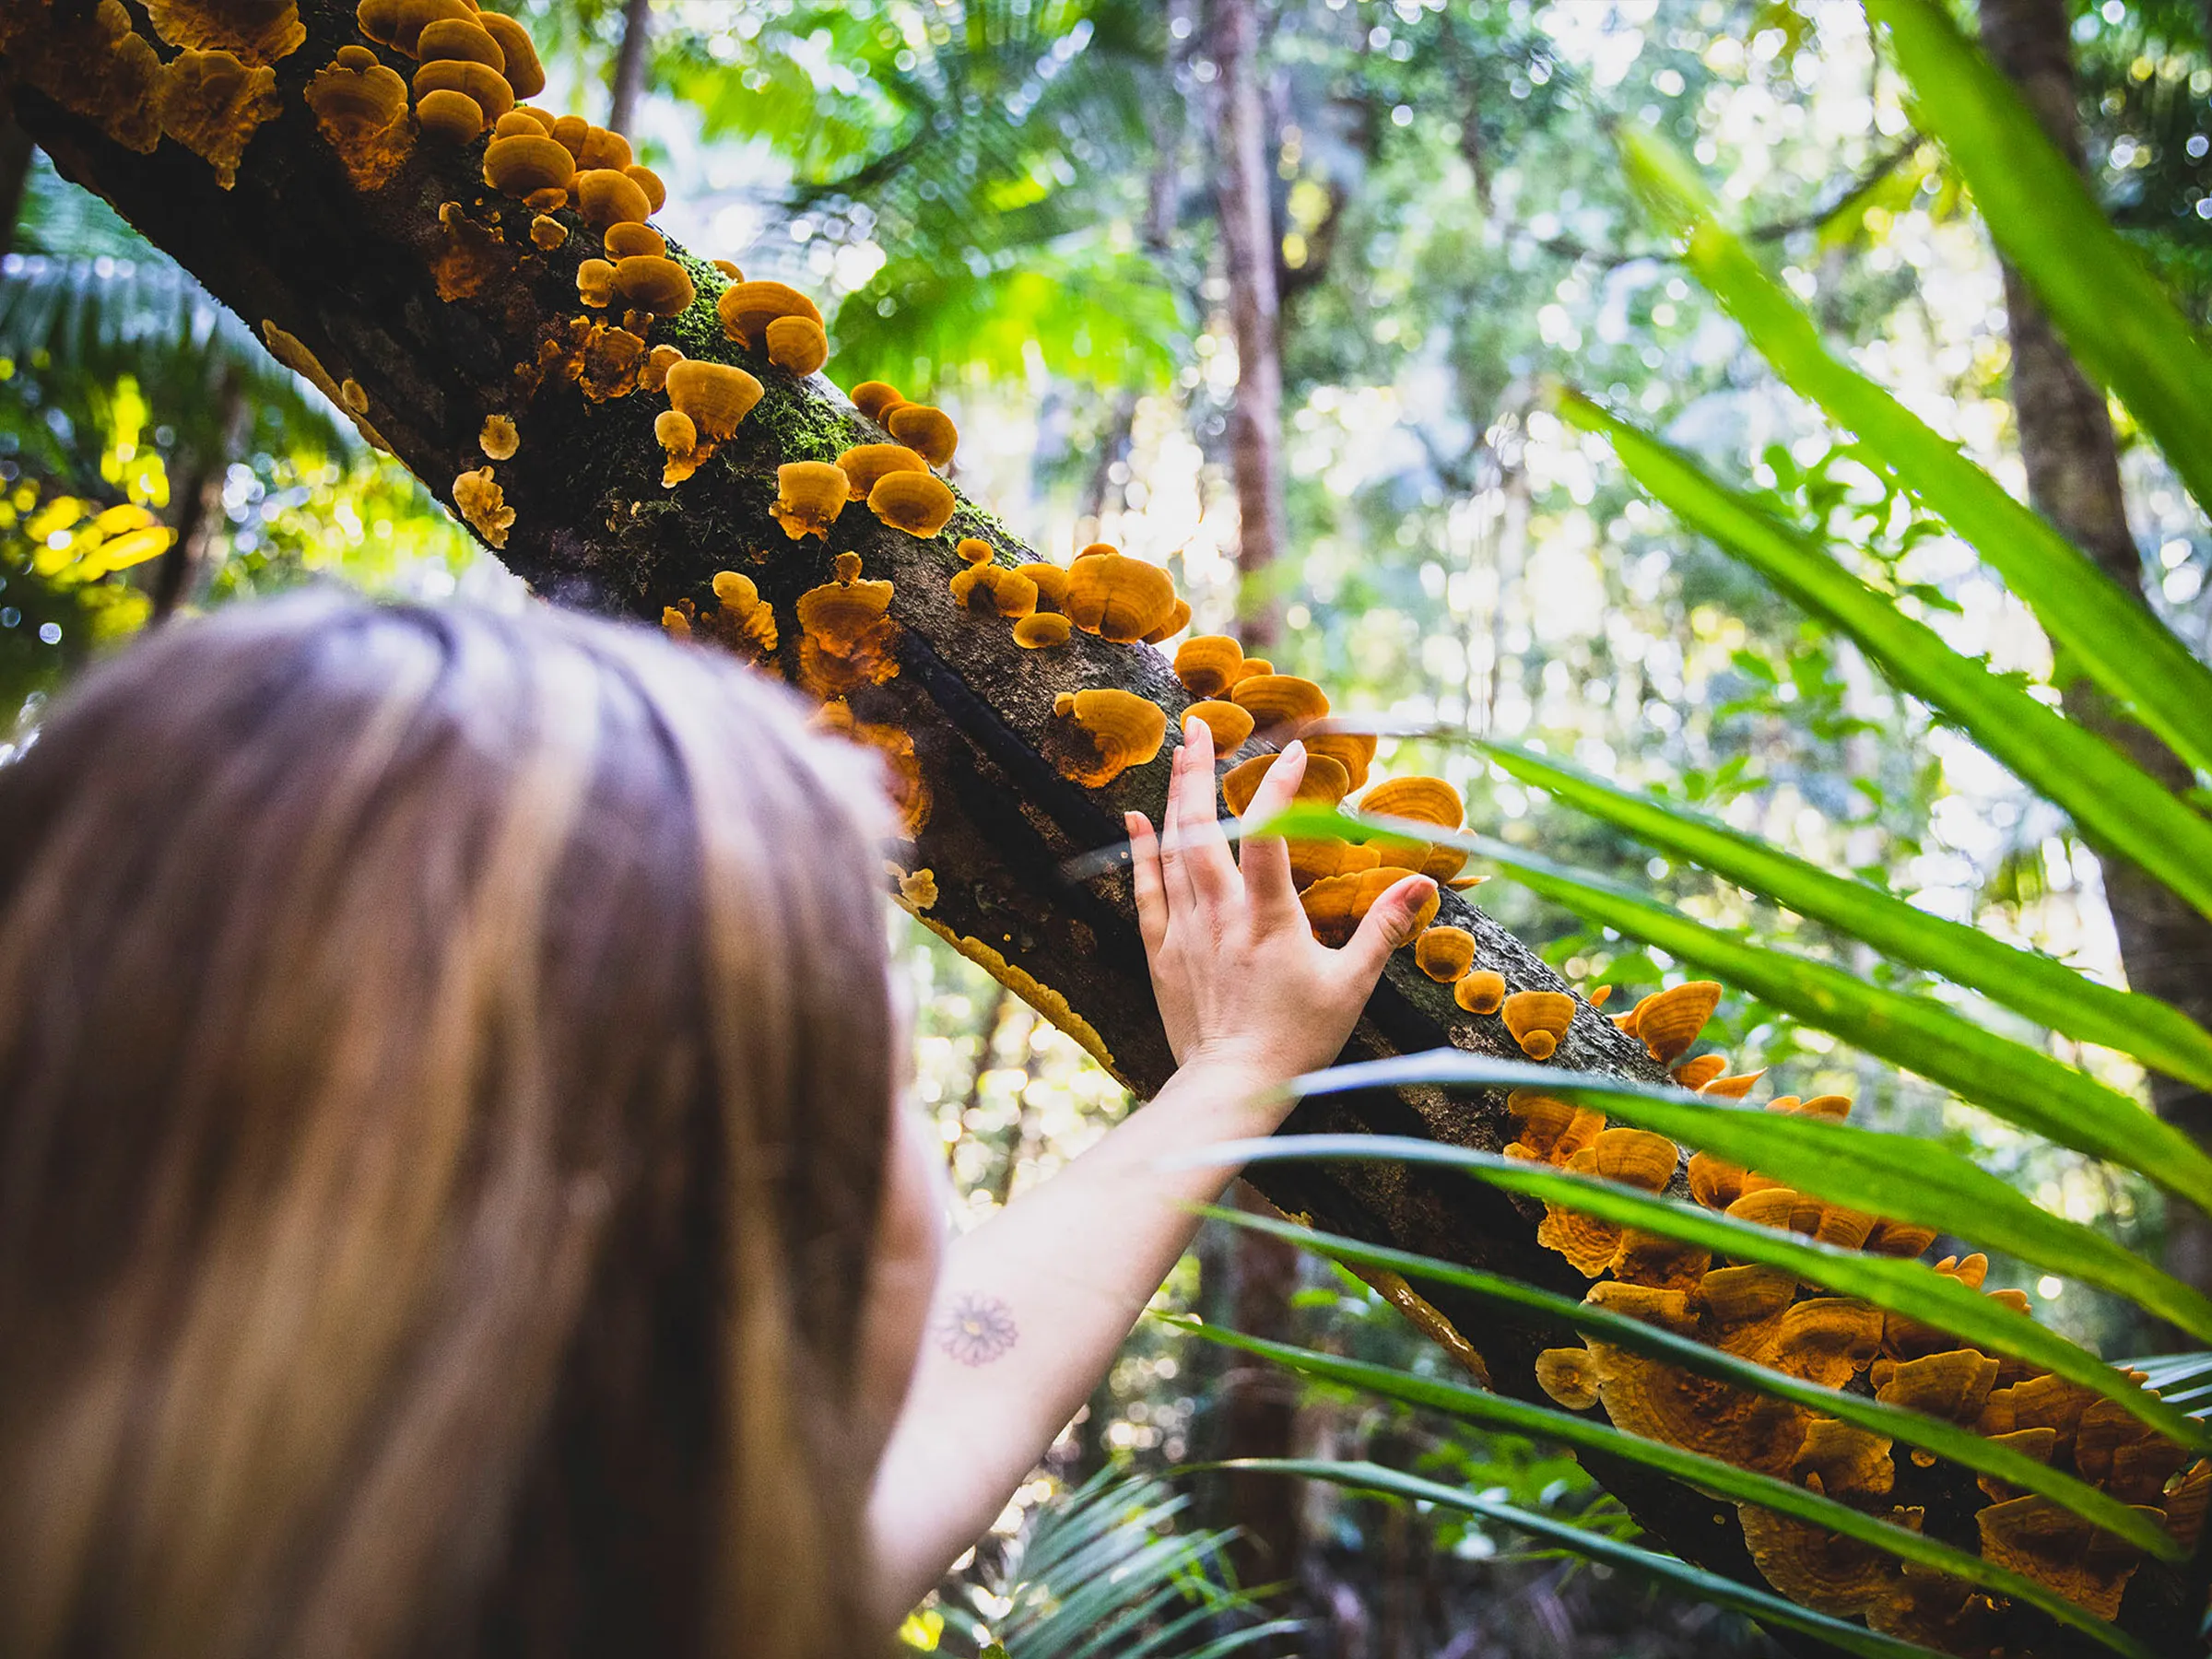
(1336, 904)
(448, 117)
(479, 498)
(677, 435)
(747, 308)
(865, 463)
(796, 345)
(628, 238)
(480, 83)
(1281, 703)
(260, 32)
(547, 233)
(462, 40)
(917, 502)
(925, 430)
(212, 103)
(498, 439)
(1355, 751)
(1444, 954)
(646, 180)
(876, 399)
(605, 197)
(1041, 629)
(715, 395)
(1230, 725)
(521, 68)
(648, 282)
(596, 282)
(1537, 1020)
(1099, 734)
(1051, 582)
(848, 639)
(1117, 597)
(1322, 781)
(995, 590)
(1482, 992)
(1207, 664)
(527, 163)
(1669, 1020)
(809, 495)
(361, 110)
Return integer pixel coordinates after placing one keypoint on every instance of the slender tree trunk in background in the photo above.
(1243, 201)
(183, 568)
(15, 172)
(2074, 479)
(626, 85)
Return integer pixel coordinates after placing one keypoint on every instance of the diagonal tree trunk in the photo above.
(2073, 469)
(430, 293)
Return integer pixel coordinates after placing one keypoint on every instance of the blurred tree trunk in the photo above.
(626, 84)
(2073, 469)
(15, 172)
(1244, 201)
(182, 571)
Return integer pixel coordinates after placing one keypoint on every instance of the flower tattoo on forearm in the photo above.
(976, 1329)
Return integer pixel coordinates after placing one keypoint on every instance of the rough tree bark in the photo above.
(15, 173)
(2073, 469)
(429, 294)
(1242, 194)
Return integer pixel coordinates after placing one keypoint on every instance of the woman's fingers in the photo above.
(1151, 893)
(1265, 860)
(1193, 826)
(1388, 925)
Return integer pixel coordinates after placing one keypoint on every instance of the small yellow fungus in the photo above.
(1041, 631)
(976, 550)
(629, 240)
(523, 71)
(1354, 750)
(1336, 905)
(1669, 1020)
(1051, 581)
(679, 438)
(728, 267)
(211, 103)
(1280, 702)
(1105, 731)
(484, 85)
(479, 500)
(1482, 992)
(747, 308)
(1444, 954)
(1322, 781)
(654, 376)
(605, 197)
(596, 282)
(715, 395)
(448, 117)
(410, 17)
(649, 282)
(526, 163)
(259, 31)
(498, 440)
(462, 40)
(646, 180)
(925, 430)
(876, 399)
(1118, 597)
(570, 132)
(603, 148)
(1537, 1020)
(547, 233)
(809, 495)
(1207, 664)
(798, 344)
(865, 464)
(1424, 800)
(361, 110)
(917, 502)
(1178, 620)
(995, 590)
(1230, 725)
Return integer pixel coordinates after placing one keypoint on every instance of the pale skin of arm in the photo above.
(1027, 1311)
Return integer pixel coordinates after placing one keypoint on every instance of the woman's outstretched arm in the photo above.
(1029, 1309)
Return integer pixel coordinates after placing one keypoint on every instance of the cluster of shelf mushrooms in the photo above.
(208, 82)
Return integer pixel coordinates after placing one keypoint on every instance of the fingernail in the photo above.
(1297, 746)
(1191, 723)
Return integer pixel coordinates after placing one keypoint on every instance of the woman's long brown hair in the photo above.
(444, 1073)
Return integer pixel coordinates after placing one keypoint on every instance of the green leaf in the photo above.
(1706, 1474)
(2110, 633)
(2116, 317)
(2155, 1032)
(1963, 1446)
(2117, 805)
(1916, 1032)
(1763, 1606)
(1911, 1179)
(1911, 1289)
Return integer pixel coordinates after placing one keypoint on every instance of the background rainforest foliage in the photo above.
(1027, 209)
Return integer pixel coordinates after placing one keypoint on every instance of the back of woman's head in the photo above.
(443, 1068)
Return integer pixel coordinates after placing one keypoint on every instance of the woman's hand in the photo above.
(1241, 979)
